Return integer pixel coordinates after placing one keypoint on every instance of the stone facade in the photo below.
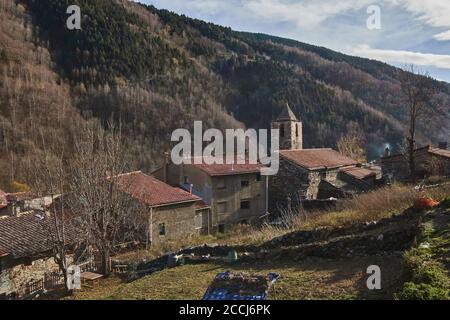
(175, 222)
(15, 274)
(294, 183)
(290, 134)
(429, 162)
(291, 129)
(234, 198)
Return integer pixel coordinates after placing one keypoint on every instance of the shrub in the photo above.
(16, 186)
(422, 291)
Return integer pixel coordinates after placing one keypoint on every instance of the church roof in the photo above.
(314, 159)
(287, 114)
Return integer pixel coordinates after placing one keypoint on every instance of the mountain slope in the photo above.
(154, 71)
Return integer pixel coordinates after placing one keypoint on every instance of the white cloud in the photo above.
(443, 36)
(401, 56)
(433, 12)
(306, 14)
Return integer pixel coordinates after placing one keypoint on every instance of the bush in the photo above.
(16, 186)
(445, 203)
(422, 291)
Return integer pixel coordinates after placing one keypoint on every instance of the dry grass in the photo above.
(367, 207)
(311, 279)
(371, 206)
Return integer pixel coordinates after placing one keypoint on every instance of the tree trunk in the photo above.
(411, 146)
(105, 263)
(411, 160)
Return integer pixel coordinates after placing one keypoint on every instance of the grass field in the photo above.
(311, 279)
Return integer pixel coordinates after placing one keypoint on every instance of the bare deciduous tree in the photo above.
(418, 92)
(95, 196)
(48, 178)
(352, 143)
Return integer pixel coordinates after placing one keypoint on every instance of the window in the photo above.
(245, 204)
(186, 180)
(245, 183)
(221, 228)
(198, 220)
(296, 130)
(221, 183)
(221, 207)
(258, 177)
(282, 131)
(162, 229)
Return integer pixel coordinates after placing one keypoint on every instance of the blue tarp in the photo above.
(227, 294)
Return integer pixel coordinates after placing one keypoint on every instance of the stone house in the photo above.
(310, 174)
(3, 202)
(236, 192)
(15, 203)
(171, 213)
(429, 160)
(26, 254)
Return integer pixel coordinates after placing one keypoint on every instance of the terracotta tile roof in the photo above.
(317, 158)
(358, 173)
(28, 235)
(229, 169)
(152, 191)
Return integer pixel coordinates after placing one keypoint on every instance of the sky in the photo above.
(399, 32)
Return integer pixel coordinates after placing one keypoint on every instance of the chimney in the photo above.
(191, 188)
(166, 167)
(443, 145)
(387, 152)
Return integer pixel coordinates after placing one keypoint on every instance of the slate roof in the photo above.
(29, 235)
(432, 150)
(152, 191)
(358, 173)
(313, 159)
(287, 114)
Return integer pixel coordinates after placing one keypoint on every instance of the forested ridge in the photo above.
(153, 71)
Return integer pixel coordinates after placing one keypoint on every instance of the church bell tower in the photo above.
(291, 135)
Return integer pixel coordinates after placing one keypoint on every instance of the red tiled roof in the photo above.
(28, 235)
(152, 191)
(358, 173)
(317, 158)
(229, 169)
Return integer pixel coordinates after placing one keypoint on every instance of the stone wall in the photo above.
(426, 165)
(178, 220)
(16, 274)
(293, 137)
(291, 182)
